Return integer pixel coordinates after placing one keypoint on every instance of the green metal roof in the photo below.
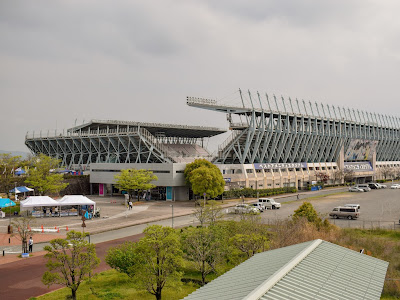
(311, 270)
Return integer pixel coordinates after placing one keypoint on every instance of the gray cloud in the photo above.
(138, 60)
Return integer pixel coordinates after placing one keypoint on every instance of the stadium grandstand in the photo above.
(274, 142)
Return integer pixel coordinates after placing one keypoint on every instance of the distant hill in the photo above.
(16, 153)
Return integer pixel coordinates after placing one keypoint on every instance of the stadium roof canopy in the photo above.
(311, 270)
(157, 129)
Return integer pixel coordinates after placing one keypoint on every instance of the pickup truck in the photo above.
(269, 203)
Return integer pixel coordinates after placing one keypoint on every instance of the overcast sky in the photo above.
(138, 60)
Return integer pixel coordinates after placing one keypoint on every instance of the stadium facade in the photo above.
(273, 143)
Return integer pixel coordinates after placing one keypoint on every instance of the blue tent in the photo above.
(19, 171)
(21, 189)
(5, 202)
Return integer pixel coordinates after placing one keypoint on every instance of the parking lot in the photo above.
(379, 208)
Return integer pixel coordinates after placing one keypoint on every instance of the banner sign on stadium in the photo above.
(269, 166)
(360, 150)
(358, 166)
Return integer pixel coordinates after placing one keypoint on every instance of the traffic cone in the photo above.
(55, 227)
(42, 229)
(58, 229)
(67, 228)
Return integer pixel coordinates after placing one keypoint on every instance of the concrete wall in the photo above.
(168, 174)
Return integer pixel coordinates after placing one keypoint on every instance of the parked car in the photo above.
(353, 205)
(355, 189)
(259, 206)
(364, 186)
(373, 186)
(269, 203)
(246, 209)
(382, 186)
(344, 212)
(395, 186)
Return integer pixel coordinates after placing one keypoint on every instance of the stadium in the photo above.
(273, 143)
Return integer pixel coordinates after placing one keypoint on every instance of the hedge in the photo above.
(251, 193)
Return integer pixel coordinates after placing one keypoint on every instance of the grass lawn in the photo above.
(114, 285)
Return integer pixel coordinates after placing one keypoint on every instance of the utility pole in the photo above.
(172, 206)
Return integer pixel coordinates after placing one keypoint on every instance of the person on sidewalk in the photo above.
(30, 244)
(130, 204)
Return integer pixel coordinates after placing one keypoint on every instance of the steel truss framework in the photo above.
(133, 145)
(299, 135)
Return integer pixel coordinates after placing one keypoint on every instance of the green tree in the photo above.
(22, 225)
(204, 178)
(132, 179)
(122, 258)
(70, 261)
(306, 210)
(250, 236)
(40, 177)
(209, 213)
(8, 164)
(250, 244)
(159, 260)
(203, 247)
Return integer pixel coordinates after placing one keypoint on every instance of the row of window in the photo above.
(249, 171)
(154, 171)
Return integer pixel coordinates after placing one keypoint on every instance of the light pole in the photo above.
(172, 206)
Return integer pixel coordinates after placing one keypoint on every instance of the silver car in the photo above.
(355, 189)
(246, 209)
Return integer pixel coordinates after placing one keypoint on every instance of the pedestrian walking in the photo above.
(130, 204)
(30, 244)
(298, 196)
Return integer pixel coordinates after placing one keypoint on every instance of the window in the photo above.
(249, 170)
(180, 171)
(311, 168)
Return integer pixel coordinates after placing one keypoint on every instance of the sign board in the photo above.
(360, 150)
(358, 166)
(101, 189)
(268, 166)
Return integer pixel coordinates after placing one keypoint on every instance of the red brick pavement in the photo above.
(22, 279)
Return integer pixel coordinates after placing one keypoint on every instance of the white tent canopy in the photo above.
(76, 200)
(36, 201)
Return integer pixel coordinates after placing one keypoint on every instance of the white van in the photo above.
(269, 203)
